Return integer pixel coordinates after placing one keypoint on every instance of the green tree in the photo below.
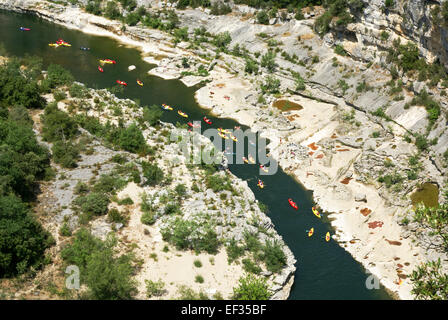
(251, 288)
(23, 241)
(131, 139)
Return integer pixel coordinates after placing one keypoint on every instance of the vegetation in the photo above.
(107, 276)
(155, 288)
(251, 288)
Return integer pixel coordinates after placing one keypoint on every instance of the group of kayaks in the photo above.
(315, 212)
(60, 43)
(103, 62)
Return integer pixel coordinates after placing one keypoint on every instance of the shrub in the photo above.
(94, 203)
(65, 153)
(272, 85)
(262, 17)
(218, 183)
(199, 279)
(58, 76)
(273, 256)
(77, 91)
(250, 266)
(107, 276)
(251, 288)
(153, 174)
(57, 125)
(197, 263)
(234, 252)
(112, 12)
(152, 114)
(155, 288)
(268, 61)
(116, 216)
(148, 218)
(23, 241)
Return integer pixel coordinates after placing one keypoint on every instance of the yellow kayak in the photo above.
(260, 184)
(310, 233)
(327, 237)
(223, 131)
(53, 45)
(233, 138)
(223, 135)
(166, 107)
(245, 160)
(182, 114)
(316, 213)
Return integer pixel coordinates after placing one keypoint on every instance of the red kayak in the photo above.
(100, 69)
(293, 204)
(25, 29)
(207, 121)
(110, 61)
(122, 83)
(193, 125)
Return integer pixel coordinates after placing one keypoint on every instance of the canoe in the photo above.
(182, 114)
(207, 121)
(310, 232)
(260, 184)
(140, 83)
(293, 204)
(233, 138)
(166, 107)
(223, 131)
(316, 213)
(100, 69)
(24, 29)
(245, 160)
(223, 135)
(53, 45)
(122, 83)
(84, 49)
(327, 237)
(109, 61)
(262, 167)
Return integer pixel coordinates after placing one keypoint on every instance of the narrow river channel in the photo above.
(324, 270)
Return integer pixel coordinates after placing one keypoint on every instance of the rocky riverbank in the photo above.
(333, 144)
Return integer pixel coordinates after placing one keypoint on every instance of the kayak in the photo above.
(84, 49)
(122, 83)
(63, 43)
(233, 138)
(245, 160)
(251, 160)
(182, 114)
(166, 107)
(207, 121)
(25, 29)
(108, 61)
(327, 237)
(310, 232)
(193, 125)
(260, 184)
(223, 130)
(140, 83)
(262, 167)
(100, 69)
(223, 135)
(53, 45)
(316, 213)
(293, 204)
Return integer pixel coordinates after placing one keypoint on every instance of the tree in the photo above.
(23, 241)
(58, 76)
(429, 282)
(131, 139)
(152, 173)
(112, 11)
(263, 17)
(57, 125)
(251, 288)
(268, 61)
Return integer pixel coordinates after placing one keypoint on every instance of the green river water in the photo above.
(324, 270)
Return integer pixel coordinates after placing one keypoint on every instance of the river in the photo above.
(324, 270)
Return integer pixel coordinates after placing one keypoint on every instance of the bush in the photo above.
(152, 114)
(112, 11)
(199, 279)
(58, 76)
(155, 288)
(23, 241)
(116, 216)
(57, 125)
(65, 153)
(132, 140)
(77, 91)
(153, 174)
(23, 160)
(93, 204)
(148, 218)
(268, 61)
(250, 266)
(272, 85)
(218, 183)
(234, 252)
(251, 288)
(262, 17)
(107, 276)
(273, 256)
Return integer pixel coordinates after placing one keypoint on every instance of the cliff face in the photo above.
(409, 20)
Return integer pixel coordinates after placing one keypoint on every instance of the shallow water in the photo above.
(324, 270)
